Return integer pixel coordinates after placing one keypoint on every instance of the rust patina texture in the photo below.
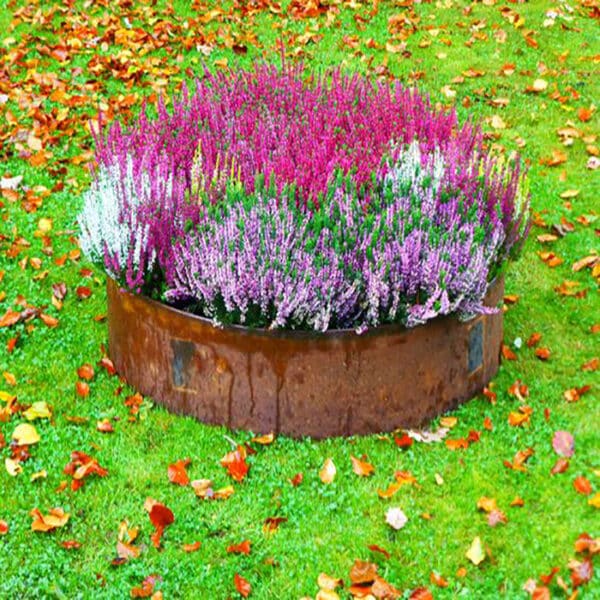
(302, 383)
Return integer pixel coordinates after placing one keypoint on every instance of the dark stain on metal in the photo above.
(475, 360)
(298, 382)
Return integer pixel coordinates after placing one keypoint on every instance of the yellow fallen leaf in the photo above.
(595, 500)
(45, 225)
(476, 553)
(39, 475)
(6, 397)
(448, 422)
(326, 582)
(25, 435)
(328, 471)
(38, 410)
(13, 467)
(487, 504)
(568, 194)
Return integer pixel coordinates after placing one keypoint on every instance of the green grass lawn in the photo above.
(59, 63)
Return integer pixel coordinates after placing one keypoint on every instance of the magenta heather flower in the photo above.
(277, 199)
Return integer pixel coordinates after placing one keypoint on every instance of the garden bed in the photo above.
(302, 383)
(306, 254)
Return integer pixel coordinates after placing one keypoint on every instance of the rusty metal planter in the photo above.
(302, 383)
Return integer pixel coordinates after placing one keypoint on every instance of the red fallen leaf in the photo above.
(547, 414)
(361, 468)
(71, 545)
(12, 344)
(547, 579)
(272, 523)
(191, 547)
(3, 527)
(421, 593)
(82, 389)
(160, 516)
(582, 485)
(405, 441)
(85, 371)
(581, 572)
(563, 444)
(107, 365)
(507, 353)
(560, 466)
(80, 467)
(375, 548)
(235, 463)
(296, 480)
(242, 548)
(83, 292)
(438, 580)
(542, 353)
(242, 585)
(86, 272)
(177, 472)
(474, 436)
(534, 339)
(146, 589)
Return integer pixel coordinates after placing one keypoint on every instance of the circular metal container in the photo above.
(302, 383)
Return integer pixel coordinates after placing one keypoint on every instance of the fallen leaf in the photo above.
(3, 527)
(160, 516)
(563, 444)
(242, 585)
(396, 518)
(582, 485)
(241, 548)
(235, 463)
(177, 472)
(361, 468)
(328, 471)
(56, 517)
(25, 435)
(476, 552)
(189, 548)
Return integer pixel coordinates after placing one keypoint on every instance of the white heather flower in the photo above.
(109, 221)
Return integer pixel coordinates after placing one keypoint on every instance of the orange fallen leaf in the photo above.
(235, 463)
(518, 463)
(361, 468)
(507, 353)
(189, 548)
(85, 371)
(82, 389)
(56, 517)
(241, 548)
(582, 485)
(242, 585)
(177, 472)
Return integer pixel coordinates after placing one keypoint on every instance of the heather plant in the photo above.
(273, 198)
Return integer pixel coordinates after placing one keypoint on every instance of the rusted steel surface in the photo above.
(302, 383)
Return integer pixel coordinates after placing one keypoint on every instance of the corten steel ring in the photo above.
(302, 383)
